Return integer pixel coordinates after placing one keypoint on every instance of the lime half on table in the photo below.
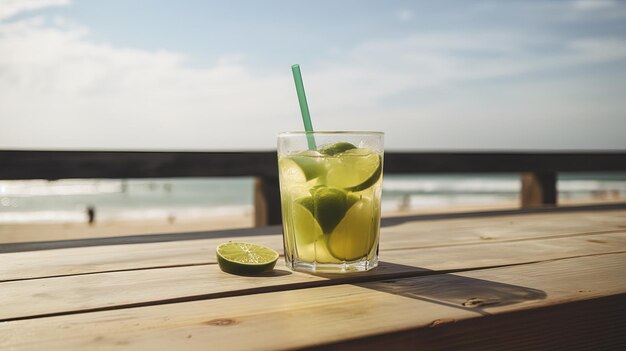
(245, 259)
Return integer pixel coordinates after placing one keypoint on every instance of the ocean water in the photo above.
(62, 201)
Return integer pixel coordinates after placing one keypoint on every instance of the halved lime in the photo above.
(354, 236)
(354, 169)
(245, 259)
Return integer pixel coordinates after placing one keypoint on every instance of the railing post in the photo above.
(266, 201)
(538, 189)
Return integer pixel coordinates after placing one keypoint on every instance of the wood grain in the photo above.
(411, 234)
(463, 231)
(595, 324)
(28, 265)
(328, 316)
(40, 297)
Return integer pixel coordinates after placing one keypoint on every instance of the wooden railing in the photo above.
(538, 169)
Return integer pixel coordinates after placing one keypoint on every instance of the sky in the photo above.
(215, 75)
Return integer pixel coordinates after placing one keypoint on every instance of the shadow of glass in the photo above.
(449, 289)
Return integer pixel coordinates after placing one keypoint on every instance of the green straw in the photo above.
(304, 107)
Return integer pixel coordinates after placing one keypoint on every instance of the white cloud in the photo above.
(593, 11)
(59, 88)
(405, 15)
(590, 5)
(381, 68)
(10, 8)
(462, 114)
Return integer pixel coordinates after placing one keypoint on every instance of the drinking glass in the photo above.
(330, 188)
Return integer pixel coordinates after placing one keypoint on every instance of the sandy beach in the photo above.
(10, 233)
(13, 233)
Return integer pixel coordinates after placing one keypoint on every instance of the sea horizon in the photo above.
(67, 201)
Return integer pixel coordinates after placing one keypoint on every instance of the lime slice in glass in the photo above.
(327, 205)
(245, 259)
(337, 148)
(330, 207)
(354, 236)
(354, 170)
(310, 240)
(302, 167)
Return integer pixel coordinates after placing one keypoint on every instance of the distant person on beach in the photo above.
(91, 214)
(171, 218)
(405, 203)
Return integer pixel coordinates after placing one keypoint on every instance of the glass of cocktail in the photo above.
(330, 187)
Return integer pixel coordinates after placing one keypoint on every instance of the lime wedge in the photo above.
(302, 167)
(337, 148)
(327, 205)
(354, 236)
(330, 207)
(310, 240)
(354, 170)
(245, 259)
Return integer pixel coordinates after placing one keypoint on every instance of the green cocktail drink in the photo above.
(331, 200)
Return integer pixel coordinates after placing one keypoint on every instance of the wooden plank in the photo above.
(114, 236)
(26, 164)
(329, 315)
(82, 260)
(410, 234)
(596, 324)
(514, 162)
(37, 164)
(28, 298)
(538, 189)
(476, 231)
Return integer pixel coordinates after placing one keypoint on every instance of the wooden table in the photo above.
(551, 279)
